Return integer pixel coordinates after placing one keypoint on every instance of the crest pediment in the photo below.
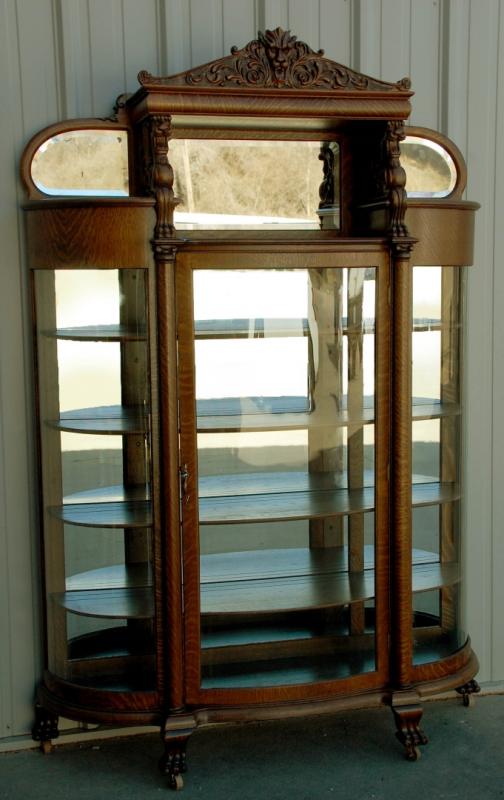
(276, 60)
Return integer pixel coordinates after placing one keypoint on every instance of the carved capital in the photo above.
(163, 250)
(402, 247)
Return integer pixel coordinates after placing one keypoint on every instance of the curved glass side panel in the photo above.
(437, 629)
(285, 385)
(254, 184)
(430, 169)
(93, 380)
(83, 162)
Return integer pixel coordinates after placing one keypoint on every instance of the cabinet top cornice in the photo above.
(276, 60)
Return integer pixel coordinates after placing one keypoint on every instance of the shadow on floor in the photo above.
(350, 755)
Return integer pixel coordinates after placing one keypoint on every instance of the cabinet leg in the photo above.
(45, 728)
(468, 690)
(173, 763)
(407, 715)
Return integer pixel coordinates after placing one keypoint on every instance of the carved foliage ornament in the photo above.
(276, 59)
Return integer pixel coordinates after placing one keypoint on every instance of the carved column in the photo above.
(395, 179)
(401, 460)
(158, 180)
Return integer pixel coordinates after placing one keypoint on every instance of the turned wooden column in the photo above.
(401, 511)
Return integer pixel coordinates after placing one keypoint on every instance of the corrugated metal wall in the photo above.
(65, 58)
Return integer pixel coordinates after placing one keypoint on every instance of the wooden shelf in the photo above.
(103, 420)
(128, 603)
(258, 328)
(276, 496)
(261, 328)
(283, 580)
(230, 414)
(256, 582)
(100, 333)
(247, 497)
(107, 507)
(116, 576)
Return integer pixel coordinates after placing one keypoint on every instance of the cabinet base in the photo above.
(57, 697)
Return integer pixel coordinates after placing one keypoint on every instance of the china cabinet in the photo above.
(248, 337)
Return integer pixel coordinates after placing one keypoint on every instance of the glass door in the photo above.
(283, 399)
(437, 630)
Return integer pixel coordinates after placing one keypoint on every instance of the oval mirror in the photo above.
(430, 169)
(82, 163)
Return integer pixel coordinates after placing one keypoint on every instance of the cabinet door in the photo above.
(280, 459)
(95, 415)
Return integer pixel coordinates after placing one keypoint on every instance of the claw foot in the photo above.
(468, 690)
(407, 717)
(44, 728)
(173, 763)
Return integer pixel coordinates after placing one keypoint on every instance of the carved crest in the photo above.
(276, 59)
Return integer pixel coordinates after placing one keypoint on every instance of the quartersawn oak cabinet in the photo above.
(248, 337)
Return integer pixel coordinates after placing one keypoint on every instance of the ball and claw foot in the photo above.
(45, 728)
(468, 690)
(173, 764)
(409, 733)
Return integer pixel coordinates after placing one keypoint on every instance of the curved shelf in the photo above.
(125, 603)
(277, 496)
(301, 579)
(262, 328)
(107, 507)
(250, 582)
(104, 420)
(100, 333)
(116, 576)
(233, 414)
(255, 328)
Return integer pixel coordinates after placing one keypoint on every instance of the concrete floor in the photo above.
(351, 755)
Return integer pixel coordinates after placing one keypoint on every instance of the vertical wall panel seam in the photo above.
(259, 15)
(59, 60)
(444, 61)
(486, 221)
(123, 31)
(410, 39)
(21, 93)
(90, 46)
(493, 625)
(161, 38)
(7, 713)
(356, 30)
(190, 23)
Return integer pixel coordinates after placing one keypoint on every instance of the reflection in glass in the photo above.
(430, 170)
(437, 630)
(285, 408)
(83, 162)
(95, 452)
(252, 183)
